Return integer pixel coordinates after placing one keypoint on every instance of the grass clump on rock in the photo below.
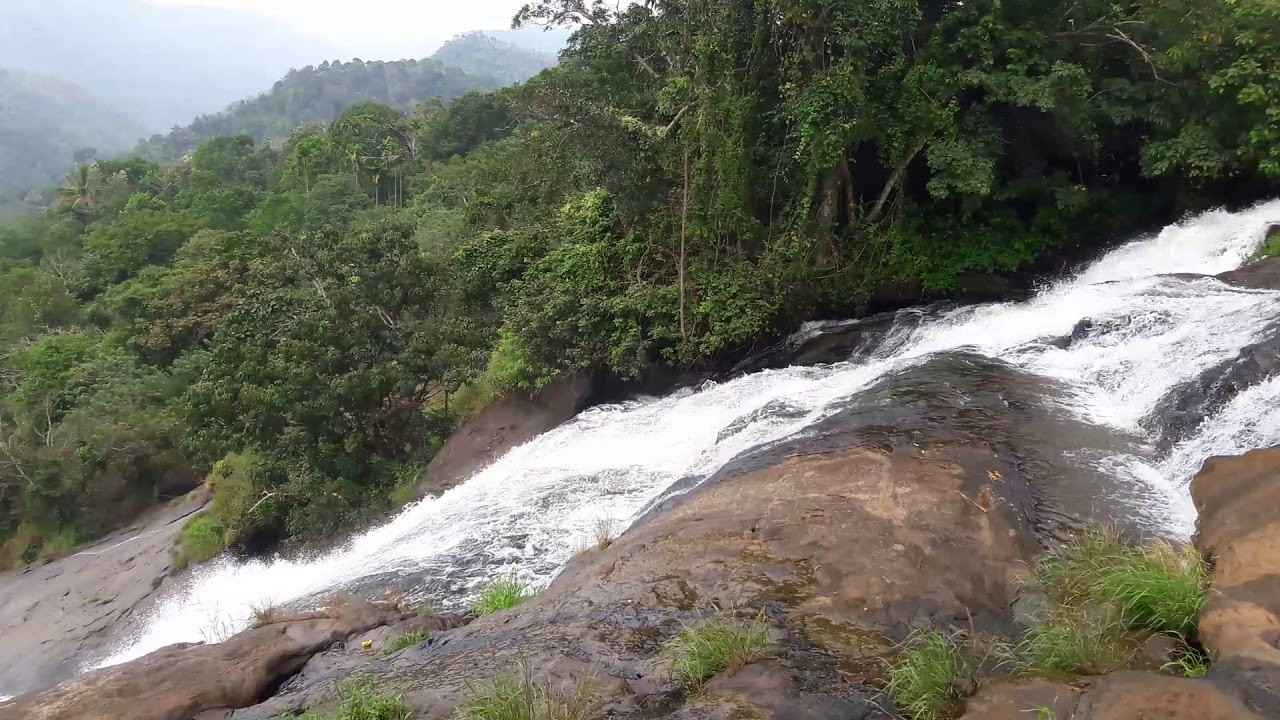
(417, 637)
(360, 700)
(502, 594)
(704, 650)
(923, 678)
(1108, 595)
(1154, 587)
(519, 697)
(201, 539)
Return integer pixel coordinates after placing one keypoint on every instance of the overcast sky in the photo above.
(377, 29)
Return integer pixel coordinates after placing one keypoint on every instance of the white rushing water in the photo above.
(530, 511)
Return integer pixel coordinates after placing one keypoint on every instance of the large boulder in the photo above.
(181, 681)
(507, 423)
(843, 548)
(1261, 275)
(55, 616)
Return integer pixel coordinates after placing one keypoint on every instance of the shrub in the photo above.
(238, 484)
(201, 539)
(922, 679)
(360, 700)
(500, 595)
(707, 649)
(606, 531)
(265, 614)
(1154, 587)
(1073, 641)
(518, 697)
(417, 637)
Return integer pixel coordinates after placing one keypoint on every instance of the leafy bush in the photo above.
(239, 482)
(702, 651)
(922, 679)
(500, 595)
(201, 539)
(518, 697)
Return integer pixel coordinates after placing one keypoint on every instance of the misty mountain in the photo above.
(319, 94)
(44, 121)
(541, 40)
(166, 64)
(484, 55)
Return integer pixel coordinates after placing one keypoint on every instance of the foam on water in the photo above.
(532, 509)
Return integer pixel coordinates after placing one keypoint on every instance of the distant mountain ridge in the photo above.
(319, 93)
(167, 64)
(44, 121)
(484, 55)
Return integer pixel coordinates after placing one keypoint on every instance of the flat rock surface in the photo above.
(53, 615)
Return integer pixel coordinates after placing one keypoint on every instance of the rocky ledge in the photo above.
(842, 548)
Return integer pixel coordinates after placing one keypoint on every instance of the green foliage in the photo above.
(1076, 641)
(1189, 662)
(519, 697)
(702, 651)
(240, 504)
(923, 678)
(501, 594)
(1151, 587)
(409, 639)
(201, 539)
(361, 700)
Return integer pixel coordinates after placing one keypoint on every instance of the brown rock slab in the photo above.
(56, 615)
(181, 681)
(1023, 700)
(503, 425)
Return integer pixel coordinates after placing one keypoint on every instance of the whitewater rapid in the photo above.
(530, 511)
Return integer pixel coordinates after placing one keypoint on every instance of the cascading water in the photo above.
(532, 509)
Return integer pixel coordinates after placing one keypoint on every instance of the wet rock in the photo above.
(1032, 699)
(1184, 407)
(832, 341)
(55, 616)
(503, 425)
(184, 680)
(844, 549)
(1145, 696)
(1261, 275)
(1031, 608)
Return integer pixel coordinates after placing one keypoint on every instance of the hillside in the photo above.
(483, 55)
(319, 94)
(167, 64)
(44, 121)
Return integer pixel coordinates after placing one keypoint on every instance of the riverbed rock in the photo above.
(1239, 531)
(56, 615)
(1263, 274)
(842, 548)
(181, 681)
(511, 421)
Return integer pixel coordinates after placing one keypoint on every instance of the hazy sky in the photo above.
(377, 29)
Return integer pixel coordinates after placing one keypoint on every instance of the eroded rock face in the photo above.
(842, 551)
(503, 425)
(1239, 503)
(184, 680)
(54, 615)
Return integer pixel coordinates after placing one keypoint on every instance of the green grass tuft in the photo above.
(1271, 247)
(709, 648)
(1188, 661)
(360, 700)
(201, 539)
(1154, 587)
(518, 697)
(500, 595)
(417, 637)
(923, 678)
(1075, 642)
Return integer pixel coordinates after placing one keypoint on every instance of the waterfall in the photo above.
(531, 510)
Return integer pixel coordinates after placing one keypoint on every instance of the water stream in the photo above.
(530, 511)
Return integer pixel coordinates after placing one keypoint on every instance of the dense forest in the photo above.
(305, 324)
(46, 125)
